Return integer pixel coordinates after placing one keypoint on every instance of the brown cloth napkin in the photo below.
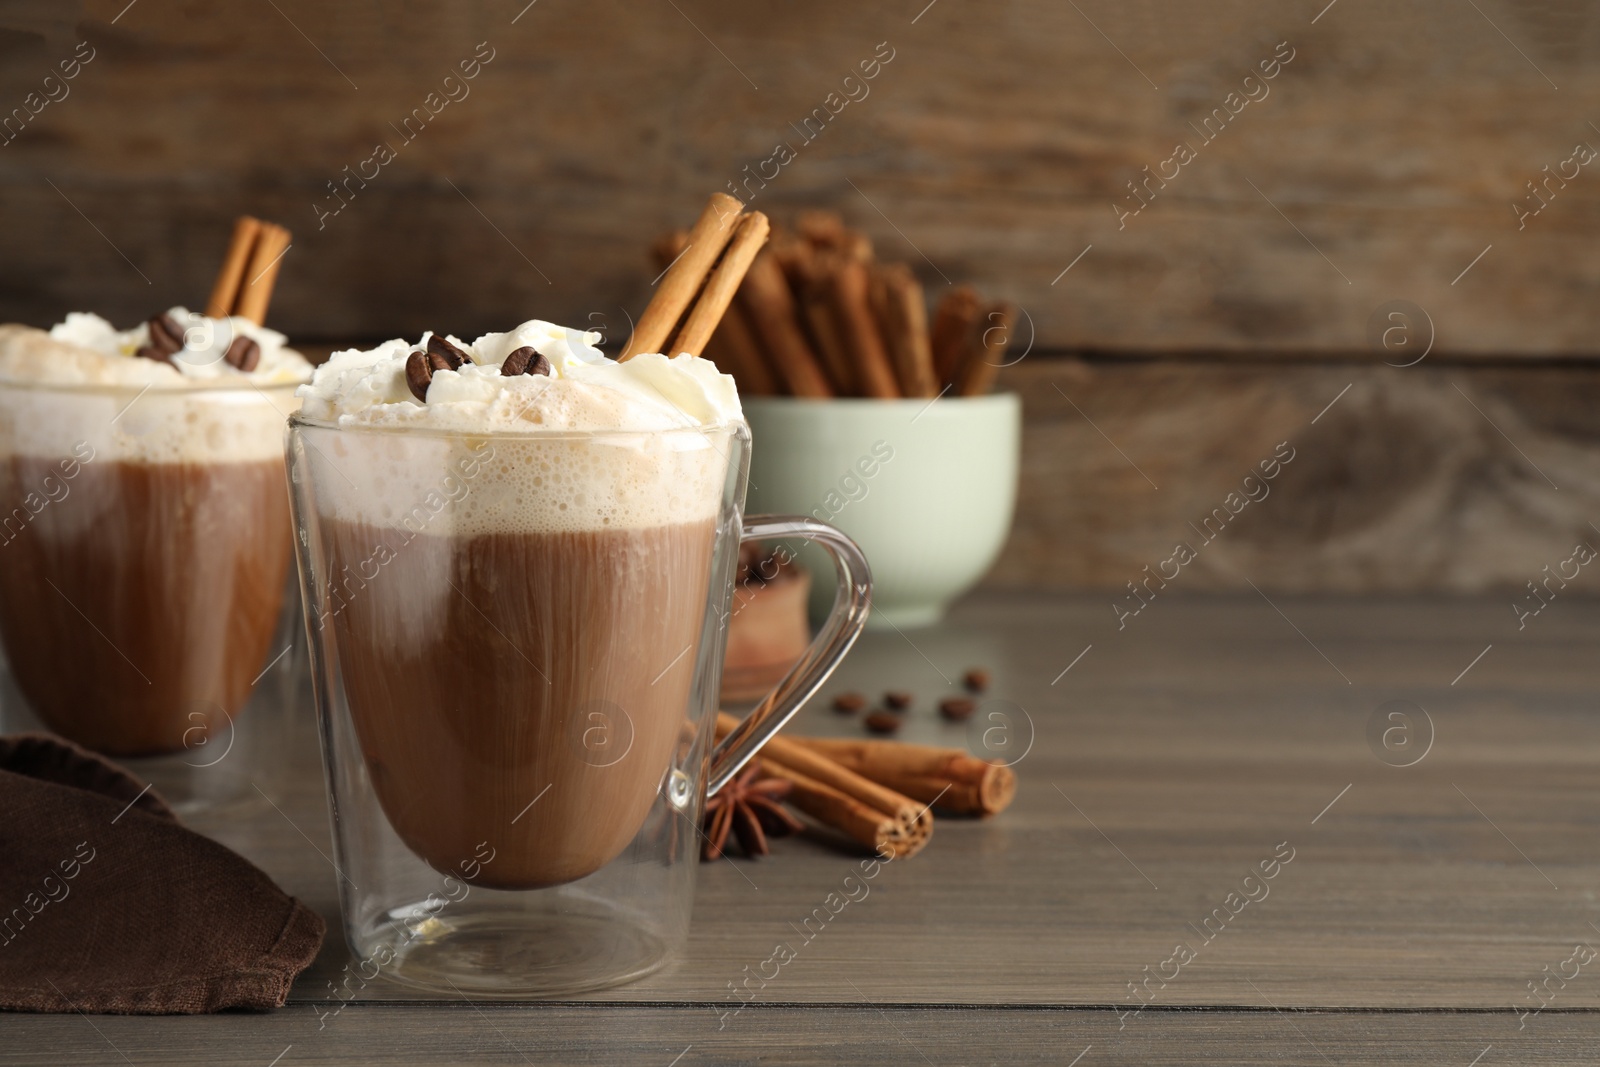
(107, 904)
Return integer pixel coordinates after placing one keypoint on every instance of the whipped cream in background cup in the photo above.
(516, 590)
(146, 607)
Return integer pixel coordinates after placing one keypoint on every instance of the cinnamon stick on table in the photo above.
(870, 814)
(950, 779)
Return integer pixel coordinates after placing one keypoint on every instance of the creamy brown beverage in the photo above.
(145, 537)
(128, 645)
(516, 582)
(505, 725)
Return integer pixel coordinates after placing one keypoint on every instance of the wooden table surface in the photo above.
(1168, 762)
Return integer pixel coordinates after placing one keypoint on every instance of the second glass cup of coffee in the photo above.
(145, 599)
(517, 584)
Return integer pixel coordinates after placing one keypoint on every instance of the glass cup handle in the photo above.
(844, 625)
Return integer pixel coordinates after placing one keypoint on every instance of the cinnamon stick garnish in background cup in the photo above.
(950, 779)
(225, 292)
(255, 292)
(683, 280)
(870, 814)
(249, 271)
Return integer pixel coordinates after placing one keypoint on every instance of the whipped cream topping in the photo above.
(513, 457)
(153, 411)
(584, 391)
(90, 351)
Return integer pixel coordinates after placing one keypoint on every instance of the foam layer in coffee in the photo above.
(475, 453)
(91, 390)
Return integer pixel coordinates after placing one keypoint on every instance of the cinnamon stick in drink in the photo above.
(262, 273)
(950, 779)
(766, 296)
(732, 346)
(677, 289)
(225, 292)
(723, 284)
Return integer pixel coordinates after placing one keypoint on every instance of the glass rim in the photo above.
(300, 420)
(181, 388)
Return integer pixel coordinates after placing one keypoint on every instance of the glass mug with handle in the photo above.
(146, 606)
(517, 644)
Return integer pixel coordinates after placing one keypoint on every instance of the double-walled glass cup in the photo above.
(516, 646)
(146, 601)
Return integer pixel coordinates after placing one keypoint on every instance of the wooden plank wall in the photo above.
(1434, 477)
(993, 147)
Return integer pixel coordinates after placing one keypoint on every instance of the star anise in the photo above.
(749, 808)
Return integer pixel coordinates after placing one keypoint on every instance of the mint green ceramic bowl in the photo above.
(926, 489)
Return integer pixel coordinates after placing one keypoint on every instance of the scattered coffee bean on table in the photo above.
(956, 709)
(976, 680)
(897, 699)
(849, 703)
(882, 722)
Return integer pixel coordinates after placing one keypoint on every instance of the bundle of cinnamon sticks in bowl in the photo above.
(818, 316)
(866, 411)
